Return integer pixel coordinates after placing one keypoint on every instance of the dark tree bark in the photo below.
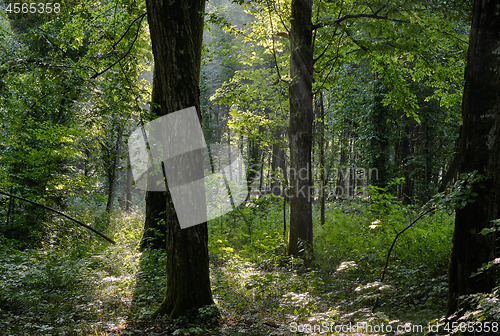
(480, 150)
(321, 158)
(254, 164)
(155, 228)
(351, 189)
(341, 185)
(278, 165)
(380, 141)
(276, 157)
(300, 236)
(176, 29)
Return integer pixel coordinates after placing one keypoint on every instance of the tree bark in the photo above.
(254, 164)
(379, 142)
(341, 185)
(300, 237)
(321, 159)
(176, 29)
(112, 171)
(275, 175)
(128, 186)
(155, 228)
(278, 166)
(480, 150)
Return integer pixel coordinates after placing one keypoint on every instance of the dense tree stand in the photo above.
(176, 30)
(479, 151)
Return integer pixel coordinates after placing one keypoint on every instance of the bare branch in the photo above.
(60, 213)
(127, 52)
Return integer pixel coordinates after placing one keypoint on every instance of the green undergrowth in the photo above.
(343, 284)
(77, 284)
(74, 285)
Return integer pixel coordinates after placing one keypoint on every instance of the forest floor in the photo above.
(74, 285)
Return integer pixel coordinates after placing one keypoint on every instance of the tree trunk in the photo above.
(112, 172)
(155, 230)
(128, 187)
(278, 169)
(406, 152)
(321, 159)
(254, 164)
(341, 186)
(300, 236)
(379, 141)
(154, 235)
(176, 29)
(480, 150)
(274, 175)
(351, 189)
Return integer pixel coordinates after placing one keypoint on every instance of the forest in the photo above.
(249, 167)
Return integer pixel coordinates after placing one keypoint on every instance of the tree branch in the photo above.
(140, 17)
(127, 52)
(375, 15)
(369, 16)
(422, 214)
(60, 213)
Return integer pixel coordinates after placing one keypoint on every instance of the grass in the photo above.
(78, 285)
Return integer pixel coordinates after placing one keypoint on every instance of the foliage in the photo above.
(367, 240)
(258, 289)
(71, 90)
(66, 286)
(68, 88)
(476, 311)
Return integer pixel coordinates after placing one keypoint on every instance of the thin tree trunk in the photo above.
(379, 140)
(321, 145)
(112, 174)
(254, 164)
(406, 144)
(274, 178)
(10, 208)
(128, 186)
(261, 173)
(278, 174)
(342, 173)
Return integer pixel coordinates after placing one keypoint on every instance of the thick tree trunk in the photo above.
(300, 236)
(176, 29)
(155, 229)
(480, 150)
